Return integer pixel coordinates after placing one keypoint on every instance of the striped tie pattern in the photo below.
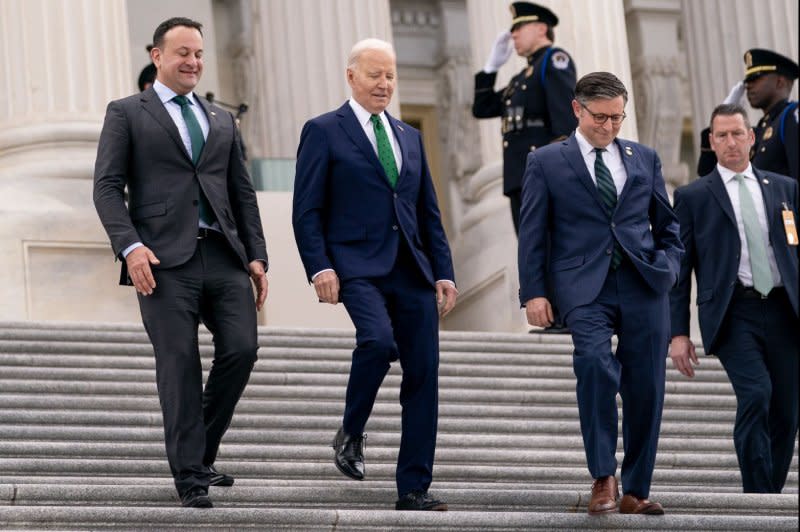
(385, 153)
(608, 195)
(759, 264)
(197, 141)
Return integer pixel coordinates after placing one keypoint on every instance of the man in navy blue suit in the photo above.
(370, 235)
(738, 225)
(615, 255)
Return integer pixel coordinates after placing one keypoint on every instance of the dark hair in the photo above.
(147, 75)
(599, 85)
(164, 27)
(729, 109)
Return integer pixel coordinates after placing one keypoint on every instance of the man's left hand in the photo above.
(446, 295)
(259, 277)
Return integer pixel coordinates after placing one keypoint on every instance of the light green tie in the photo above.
(385, 153)
(759, 265)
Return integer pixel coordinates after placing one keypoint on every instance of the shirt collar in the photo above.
(165, 94)
(584, 145)
(362, 114)
(727, 174)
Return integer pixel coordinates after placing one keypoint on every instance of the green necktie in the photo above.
(608, 195)
(197, 141)
(385, 153)
(759, 265)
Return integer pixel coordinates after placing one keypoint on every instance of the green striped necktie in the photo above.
(608, 195)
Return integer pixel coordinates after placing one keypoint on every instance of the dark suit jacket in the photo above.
(346, 215)
(711, 238)
(140, 147)
(559, 197)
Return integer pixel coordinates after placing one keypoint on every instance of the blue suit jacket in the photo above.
(710, 235)
(559, 198)
(345, 214)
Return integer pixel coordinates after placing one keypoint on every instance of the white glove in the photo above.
(736, 94)
(501, 51)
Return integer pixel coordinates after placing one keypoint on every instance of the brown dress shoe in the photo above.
(631, 504)
(604, 496)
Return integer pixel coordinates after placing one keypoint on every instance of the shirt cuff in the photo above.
(319, 272)
(130, 248)
(447, 281)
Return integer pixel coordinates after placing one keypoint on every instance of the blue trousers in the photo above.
(396, 317)
(628, 307)
(758, 347)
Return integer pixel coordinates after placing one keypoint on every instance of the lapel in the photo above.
(572, 153)
(769, 198)
(349, 122)
(153, 106)
(717, 187)
(630, 160)
(400, 134)
(213, 128)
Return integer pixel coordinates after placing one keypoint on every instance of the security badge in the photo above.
(748, 60)
(560, 60)
(789, 225)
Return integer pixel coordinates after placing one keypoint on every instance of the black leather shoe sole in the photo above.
(197, 500)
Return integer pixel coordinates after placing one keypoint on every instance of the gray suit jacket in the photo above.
(140, 147)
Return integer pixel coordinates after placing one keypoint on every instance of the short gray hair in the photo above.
(369, 44)
(599, 85)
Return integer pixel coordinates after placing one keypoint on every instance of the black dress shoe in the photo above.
(349, 454)
(196, 497)
(219, 479)
(556, 328)
(421, 501)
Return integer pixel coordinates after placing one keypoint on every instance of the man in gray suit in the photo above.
(190, 240)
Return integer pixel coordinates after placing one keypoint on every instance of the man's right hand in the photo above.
(539, 312)
(327, 287)
(500, 53)
(683, 355)
(139, 261)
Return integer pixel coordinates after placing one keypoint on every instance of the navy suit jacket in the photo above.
(347, 217)
(560, 199)
(710, 235)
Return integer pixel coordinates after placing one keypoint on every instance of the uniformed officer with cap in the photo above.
(536, 105)
(768, 81)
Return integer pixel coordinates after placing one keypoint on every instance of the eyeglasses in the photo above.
(601, 118)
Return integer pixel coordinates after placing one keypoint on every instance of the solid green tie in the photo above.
(759, 264)
(385, 153)
(197, 141)
(608, 195)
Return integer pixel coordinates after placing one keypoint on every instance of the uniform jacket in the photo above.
(140, 148)
(560, 198)
(711, 238)
(347, 217)
(535, 107)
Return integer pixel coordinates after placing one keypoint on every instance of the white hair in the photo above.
(368, 44)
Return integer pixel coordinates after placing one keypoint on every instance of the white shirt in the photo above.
(611, 158)
(363, 117)
(732, 188)
(165, 94)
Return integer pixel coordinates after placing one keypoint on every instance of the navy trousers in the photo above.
(758, 347)
(629, 308)
(396, 317)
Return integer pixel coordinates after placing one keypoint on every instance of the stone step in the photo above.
(350, 495)
(107, 517)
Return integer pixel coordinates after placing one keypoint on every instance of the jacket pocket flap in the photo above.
(148, 210)
(566, 264)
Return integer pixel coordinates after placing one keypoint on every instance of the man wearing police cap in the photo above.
(768, 81)
(536, 105)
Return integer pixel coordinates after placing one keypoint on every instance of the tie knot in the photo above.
(183, 101)
(376, 120)
(739, 178)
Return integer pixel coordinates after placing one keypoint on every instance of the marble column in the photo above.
(657, 64)
(57, 76)
(715, 49)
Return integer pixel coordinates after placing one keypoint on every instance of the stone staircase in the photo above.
(81, 443)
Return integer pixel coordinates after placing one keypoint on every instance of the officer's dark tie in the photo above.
(385, 153)
(608, 195)
(197, 140)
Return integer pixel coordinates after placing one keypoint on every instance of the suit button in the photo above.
(608, 252)
(195, 202)
(394, 228)
(395, 194)
(533, 148)
(505, 144)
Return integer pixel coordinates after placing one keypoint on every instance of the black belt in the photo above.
(748, 292)
(205, 232)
